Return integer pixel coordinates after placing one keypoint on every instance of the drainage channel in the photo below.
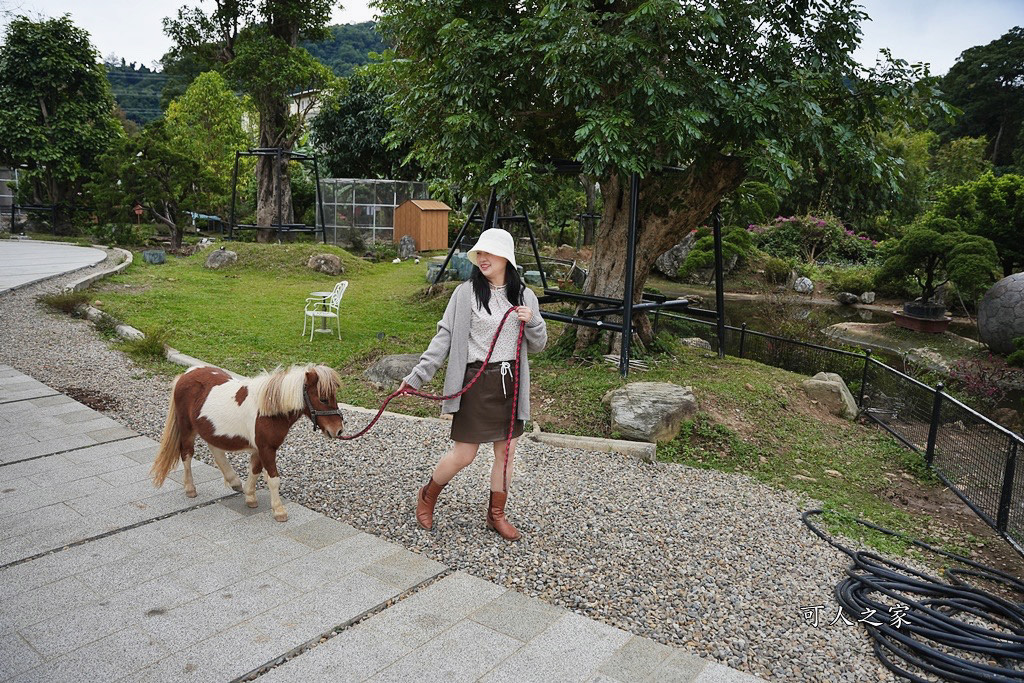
(70, 450)
(30, 398)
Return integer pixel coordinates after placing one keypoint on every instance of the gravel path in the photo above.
(711, 562)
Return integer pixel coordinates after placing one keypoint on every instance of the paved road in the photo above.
(24, 262)
(104, 577)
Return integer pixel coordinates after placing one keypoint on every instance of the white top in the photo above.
(483, 325)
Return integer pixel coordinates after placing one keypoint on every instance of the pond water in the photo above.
(754, 314)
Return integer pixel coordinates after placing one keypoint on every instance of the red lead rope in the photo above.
(460, 392)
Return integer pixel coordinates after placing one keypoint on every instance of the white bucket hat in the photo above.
(494, 241)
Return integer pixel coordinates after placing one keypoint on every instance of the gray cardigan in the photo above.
(452, 340)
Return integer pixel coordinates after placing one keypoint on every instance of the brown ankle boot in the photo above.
(496, 517)
(425, 501)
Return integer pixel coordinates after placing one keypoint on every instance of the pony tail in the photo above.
(170, 444)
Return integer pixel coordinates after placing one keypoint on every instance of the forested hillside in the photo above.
(349, 46)
(140, 91)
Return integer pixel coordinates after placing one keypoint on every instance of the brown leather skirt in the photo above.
(486, 409)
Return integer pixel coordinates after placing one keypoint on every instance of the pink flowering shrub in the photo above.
(813, 239)
(985, 380)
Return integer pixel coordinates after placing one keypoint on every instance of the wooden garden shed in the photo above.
(426, 221)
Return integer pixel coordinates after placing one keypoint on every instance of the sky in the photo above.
(933, 31)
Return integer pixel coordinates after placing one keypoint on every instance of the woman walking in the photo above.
(464, 335)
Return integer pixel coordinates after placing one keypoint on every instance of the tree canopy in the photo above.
(349, 133)
(486, 94)
(56, 110)
(205, 123)
(993, 208)
(152, 170)
(936, 250)
(255, 42)
(987, 83)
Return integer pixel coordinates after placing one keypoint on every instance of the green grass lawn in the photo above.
(753, 419)
(248, 317)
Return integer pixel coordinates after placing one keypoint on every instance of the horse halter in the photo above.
(313, 413)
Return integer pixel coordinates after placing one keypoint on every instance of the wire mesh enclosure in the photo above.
(8, 184)
(363, 209)
(899, 403)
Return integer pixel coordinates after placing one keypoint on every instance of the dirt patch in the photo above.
(732, 418)
(96, 400)
(949, 518)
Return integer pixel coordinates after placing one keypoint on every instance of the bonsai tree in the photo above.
(935, 251)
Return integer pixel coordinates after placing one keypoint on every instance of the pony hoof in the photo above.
(237, 488)
(251, 503)
(191, 493)
(281, 516)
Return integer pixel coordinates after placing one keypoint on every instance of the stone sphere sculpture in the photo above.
(1001, 314)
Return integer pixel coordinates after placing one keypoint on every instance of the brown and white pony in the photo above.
(244, 414)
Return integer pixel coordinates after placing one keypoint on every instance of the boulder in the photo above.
(406, 247)
(154, 256)
(847, 298)
(867, 298)
(669, 263)
(707, 275)
(696, 342)
(432, 270)
(462, 266)
(829, 389)
(930, 359)
(803, 285)
(565, 252)
(1001, 314)
(650, 411)
(532, 277)
(329, 264)
(389, 371)
(220, 258)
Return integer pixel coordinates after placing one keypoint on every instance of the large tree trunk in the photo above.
(995, 145)
(273, 180)
(669, 207)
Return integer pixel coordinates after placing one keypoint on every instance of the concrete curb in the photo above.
(79, 285)
(641, 450)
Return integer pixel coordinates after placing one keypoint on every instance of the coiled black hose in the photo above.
(935, 638)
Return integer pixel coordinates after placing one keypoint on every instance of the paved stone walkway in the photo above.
(25, 262)
(103, 577)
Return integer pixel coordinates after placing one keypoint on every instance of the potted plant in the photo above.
(935, 251)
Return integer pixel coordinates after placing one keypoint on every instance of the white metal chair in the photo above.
(321, 306)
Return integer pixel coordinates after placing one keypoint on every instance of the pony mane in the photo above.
(280, 390)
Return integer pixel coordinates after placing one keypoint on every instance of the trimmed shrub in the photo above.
(776, 270)
(856, 279)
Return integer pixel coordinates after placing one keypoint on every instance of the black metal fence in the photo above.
(981, 461)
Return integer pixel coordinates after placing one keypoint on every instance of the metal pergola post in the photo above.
(491, 211)
(320, 204)
(277, 191)
(716, 222)
(234, 196)
(536, 252)
(627, 298)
